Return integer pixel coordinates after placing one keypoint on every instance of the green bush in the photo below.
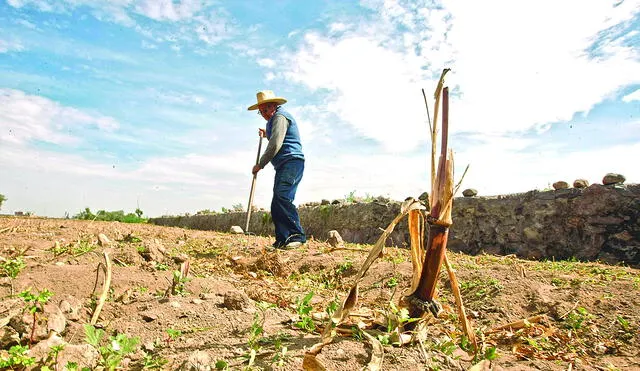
(111, 216)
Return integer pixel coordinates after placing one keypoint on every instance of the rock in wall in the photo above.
(594, 223)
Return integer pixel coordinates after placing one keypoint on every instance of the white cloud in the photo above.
(147, 45)
(496, 168)
(193, 19)
(635, 96)
(10, 46)
(214, 27)
(510, 73)
(25, 118)
(337, 27)
(533, 75)
(175, 97)
(374, 89)
(266, 62)
(168, 9)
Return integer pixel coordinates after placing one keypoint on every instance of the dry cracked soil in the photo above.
(242, 306)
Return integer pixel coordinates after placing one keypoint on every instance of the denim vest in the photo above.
(291, 146)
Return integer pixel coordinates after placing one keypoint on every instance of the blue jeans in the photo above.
(283, 212)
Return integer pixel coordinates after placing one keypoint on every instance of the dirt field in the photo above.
(243, 307)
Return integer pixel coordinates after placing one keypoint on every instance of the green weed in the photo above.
(172, 335)
(303, 308)
(35, 304)
(491, 353)
(117, 347)
(576, 319)
(11, 268)
(221, 364)
(179, 283)
(392, 282)
(153, 362)
(17, 358)
(481, 289)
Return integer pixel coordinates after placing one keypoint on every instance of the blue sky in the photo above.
(115, 104)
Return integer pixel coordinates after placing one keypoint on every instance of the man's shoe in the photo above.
(293, 245)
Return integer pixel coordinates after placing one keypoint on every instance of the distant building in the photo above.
(18, 213)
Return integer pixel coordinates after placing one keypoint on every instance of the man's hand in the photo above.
(255, 169)
(262, 133)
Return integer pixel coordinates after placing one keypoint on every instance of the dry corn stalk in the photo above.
(426, 258)
(105, 286)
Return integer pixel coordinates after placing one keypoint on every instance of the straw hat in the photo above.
(266, 96)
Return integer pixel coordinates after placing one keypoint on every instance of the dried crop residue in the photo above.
(239, 297)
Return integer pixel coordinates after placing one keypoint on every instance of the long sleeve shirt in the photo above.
(279, 128)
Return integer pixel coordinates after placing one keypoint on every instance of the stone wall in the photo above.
(594, 223)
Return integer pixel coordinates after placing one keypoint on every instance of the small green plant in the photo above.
(332, 307)
(481, 288)
(303, 308)
(397, 318)
(576, 319)
(73, 366)
(384, 339)
(11, 268)
(162, 267)
(368, 198)
(351, 197)
(221, 364)
(626, 328)
(256, 332)
(357, 333)
(179, 283)
(344, 267)
(112, 354)
(151, 362)
(491, 353)
(266, 218)
(392, 282)
(280, 356)
(172, 335)
(446, 346)
(35, 304)
(17, 358)
(465, 344)
(51, 361)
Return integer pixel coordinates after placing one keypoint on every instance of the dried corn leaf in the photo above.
(377, 353)
(352, 298)
(518, 324)
(416, 225)
(462, 314)
(311, 363)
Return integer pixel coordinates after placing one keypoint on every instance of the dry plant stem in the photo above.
(570, 310)
(434, 128)
(105, 288)
(460, 305)
(518, 324)
(33, 329)
(441, 212)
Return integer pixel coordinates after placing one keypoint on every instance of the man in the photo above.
(284, 151)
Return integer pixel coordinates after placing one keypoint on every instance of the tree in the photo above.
(2, 199)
